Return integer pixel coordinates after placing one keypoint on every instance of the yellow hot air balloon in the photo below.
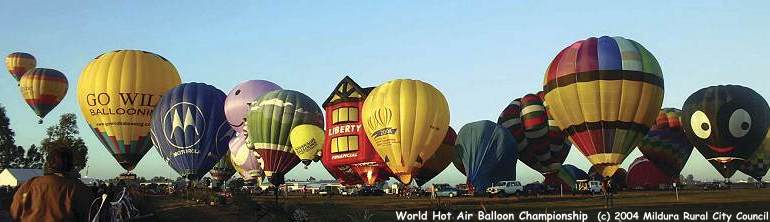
(307, 141)
(604, 93)
(19, 63)
(43, 89)
(117, 93)
(406, 120)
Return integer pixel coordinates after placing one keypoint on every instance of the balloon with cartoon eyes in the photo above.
(726, 123)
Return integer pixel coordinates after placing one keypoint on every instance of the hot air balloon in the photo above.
(189, 128)
(246, 161)
(307, 141)
(542, 145)
(238, 99)
(117, 93)
(439, 161)
(223, 169)
(19, 63)
(488, 153)
(269, 123)
(726, 123)
(665, 145)
(759, 162)
(566, 177)
(643, 174)
(406, 120)
(348, 155)
(43, 89)
(605, 94)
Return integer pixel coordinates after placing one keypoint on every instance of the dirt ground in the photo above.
(383, 208)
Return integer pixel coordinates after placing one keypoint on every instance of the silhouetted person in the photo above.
(53, 196)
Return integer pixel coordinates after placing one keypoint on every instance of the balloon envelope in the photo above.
(541, 144)
(189, 128)
(666, 145)
(247, 162)
(488, 153)
(19, 63)
(117, 93)
(307, 141)
(605, 94)
(269, 123)
(223, 169)
(726, 123)
(643, 174)
(566, 177)
(759, 162)
(405, 120)
(439, 161)
(238, 99)
(43, 89)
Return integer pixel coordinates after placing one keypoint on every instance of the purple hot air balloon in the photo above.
(247, 162)
(237, 102)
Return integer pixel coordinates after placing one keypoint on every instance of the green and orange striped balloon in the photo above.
(43, 89)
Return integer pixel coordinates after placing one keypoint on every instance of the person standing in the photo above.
(54, 196)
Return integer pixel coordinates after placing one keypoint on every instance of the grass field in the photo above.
(383, 208)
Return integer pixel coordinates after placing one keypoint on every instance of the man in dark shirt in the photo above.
(54, 196)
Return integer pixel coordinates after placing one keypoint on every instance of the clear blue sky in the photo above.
(480, 55)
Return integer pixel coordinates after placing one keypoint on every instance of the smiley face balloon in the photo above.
(726, 123)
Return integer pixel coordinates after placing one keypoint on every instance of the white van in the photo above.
(506, 188)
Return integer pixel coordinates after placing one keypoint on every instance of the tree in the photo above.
(65, 135)
(34, 158)
(7, 142)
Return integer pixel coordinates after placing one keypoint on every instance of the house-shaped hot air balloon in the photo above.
(347, 153)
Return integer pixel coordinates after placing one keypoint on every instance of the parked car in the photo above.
(331, 189)
(462, 189)
(445, 190)
(588, 186)
(715, 186)
(534, 189)
(370, 191)
(506, 188)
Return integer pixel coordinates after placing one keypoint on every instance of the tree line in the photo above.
(64, 135)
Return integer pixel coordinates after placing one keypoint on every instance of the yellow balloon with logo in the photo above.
(406, 121)
(307, 140)
(117, 92)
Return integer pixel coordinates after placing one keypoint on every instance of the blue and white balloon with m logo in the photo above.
(189, 128)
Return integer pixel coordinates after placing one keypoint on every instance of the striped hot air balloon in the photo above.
(43, 89)
(269, 123)
(19, 63)
(542, 145)
(605, 94)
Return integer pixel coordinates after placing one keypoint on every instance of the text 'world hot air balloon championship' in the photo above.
(385, 111)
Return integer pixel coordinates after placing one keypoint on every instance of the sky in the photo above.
(481, 55)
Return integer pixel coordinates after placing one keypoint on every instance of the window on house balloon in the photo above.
(344, 144)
